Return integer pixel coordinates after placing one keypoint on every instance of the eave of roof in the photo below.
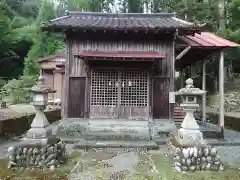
(202, 45)
(60, 54)
(120, 55)
(121, 21)
(207, 40)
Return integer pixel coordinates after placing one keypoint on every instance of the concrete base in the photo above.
(115, 130)
(44, 141)
(189, 137)
(38, 133)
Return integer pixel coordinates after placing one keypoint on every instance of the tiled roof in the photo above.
(122, 21)
(207, 39)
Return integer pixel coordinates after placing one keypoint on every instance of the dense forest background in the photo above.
(22, 42)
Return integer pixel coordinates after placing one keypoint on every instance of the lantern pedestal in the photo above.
(190, 137)
(39, 127)
(189, 133)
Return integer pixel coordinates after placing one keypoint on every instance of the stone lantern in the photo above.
(39, 148)
(39, 130)
(189, 133)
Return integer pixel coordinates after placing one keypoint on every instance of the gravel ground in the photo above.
(112, 163)
(230, 155)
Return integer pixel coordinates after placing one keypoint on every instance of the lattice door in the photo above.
(119, 94)
(134, 94)
(104, 94)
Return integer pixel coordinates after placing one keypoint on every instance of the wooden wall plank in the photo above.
(161, 67)
(49, 81)
(160, 98)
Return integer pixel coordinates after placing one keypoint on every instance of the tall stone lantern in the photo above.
(39, 130)
(189, 133)
(39, 148)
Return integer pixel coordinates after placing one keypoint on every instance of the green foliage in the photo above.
(22, 42)
(17, 90)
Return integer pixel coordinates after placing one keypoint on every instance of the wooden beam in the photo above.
(66, 76)
(221, 92)
(183, 53)
(204, 88)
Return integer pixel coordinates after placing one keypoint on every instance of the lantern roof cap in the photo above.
(189, 89)
(41, 88)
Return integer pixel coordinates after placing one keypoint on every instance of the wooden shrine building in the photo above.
(122, 66)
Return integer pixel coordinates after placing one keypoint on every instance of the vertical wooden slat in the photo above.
(76, 97)
(58, 86)
(49, 81)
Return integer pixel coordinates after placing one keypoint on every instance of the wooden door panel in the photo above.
(104, 94)
(160, 97)
(134, 95)
(76, 100)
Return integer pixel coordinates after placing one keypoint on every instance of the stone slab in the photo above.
(115, 130)
(117, 144)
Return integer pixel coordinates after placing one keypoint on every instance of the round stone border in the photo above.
(37, 156)
(196, 159)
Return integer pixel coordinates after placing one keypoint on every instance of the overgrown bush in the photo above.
(2, 82)
(17, 90)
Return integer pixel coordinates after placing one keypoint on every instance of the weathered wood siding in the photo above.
(79, 68)
(76, 97)
(160, 97)
(49, 81)
(58, 85)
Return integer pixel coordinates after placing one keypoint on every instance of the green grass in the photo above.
(164, 166)
(60, 173)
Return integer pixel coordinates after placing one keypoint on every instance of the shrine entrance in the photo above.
(119, 93)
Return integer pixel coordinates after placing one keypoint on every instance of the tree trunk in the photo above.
(221, 15)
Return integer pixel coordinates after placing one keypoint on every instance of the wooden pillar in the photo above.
(221, 93)
(66, 85)
(172, 80)
(182, 78)
(204, 88)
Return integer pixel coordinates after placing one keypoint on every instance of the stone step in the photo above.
(129, 132)
(117, 144)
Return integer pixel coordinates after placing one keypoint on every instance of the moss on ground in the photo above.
(143, 171)
(164, 166)
(60, 173)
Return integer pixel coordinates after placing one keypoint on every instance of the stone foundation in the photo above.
(114, 130)
(196, 159)
(36, 155)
